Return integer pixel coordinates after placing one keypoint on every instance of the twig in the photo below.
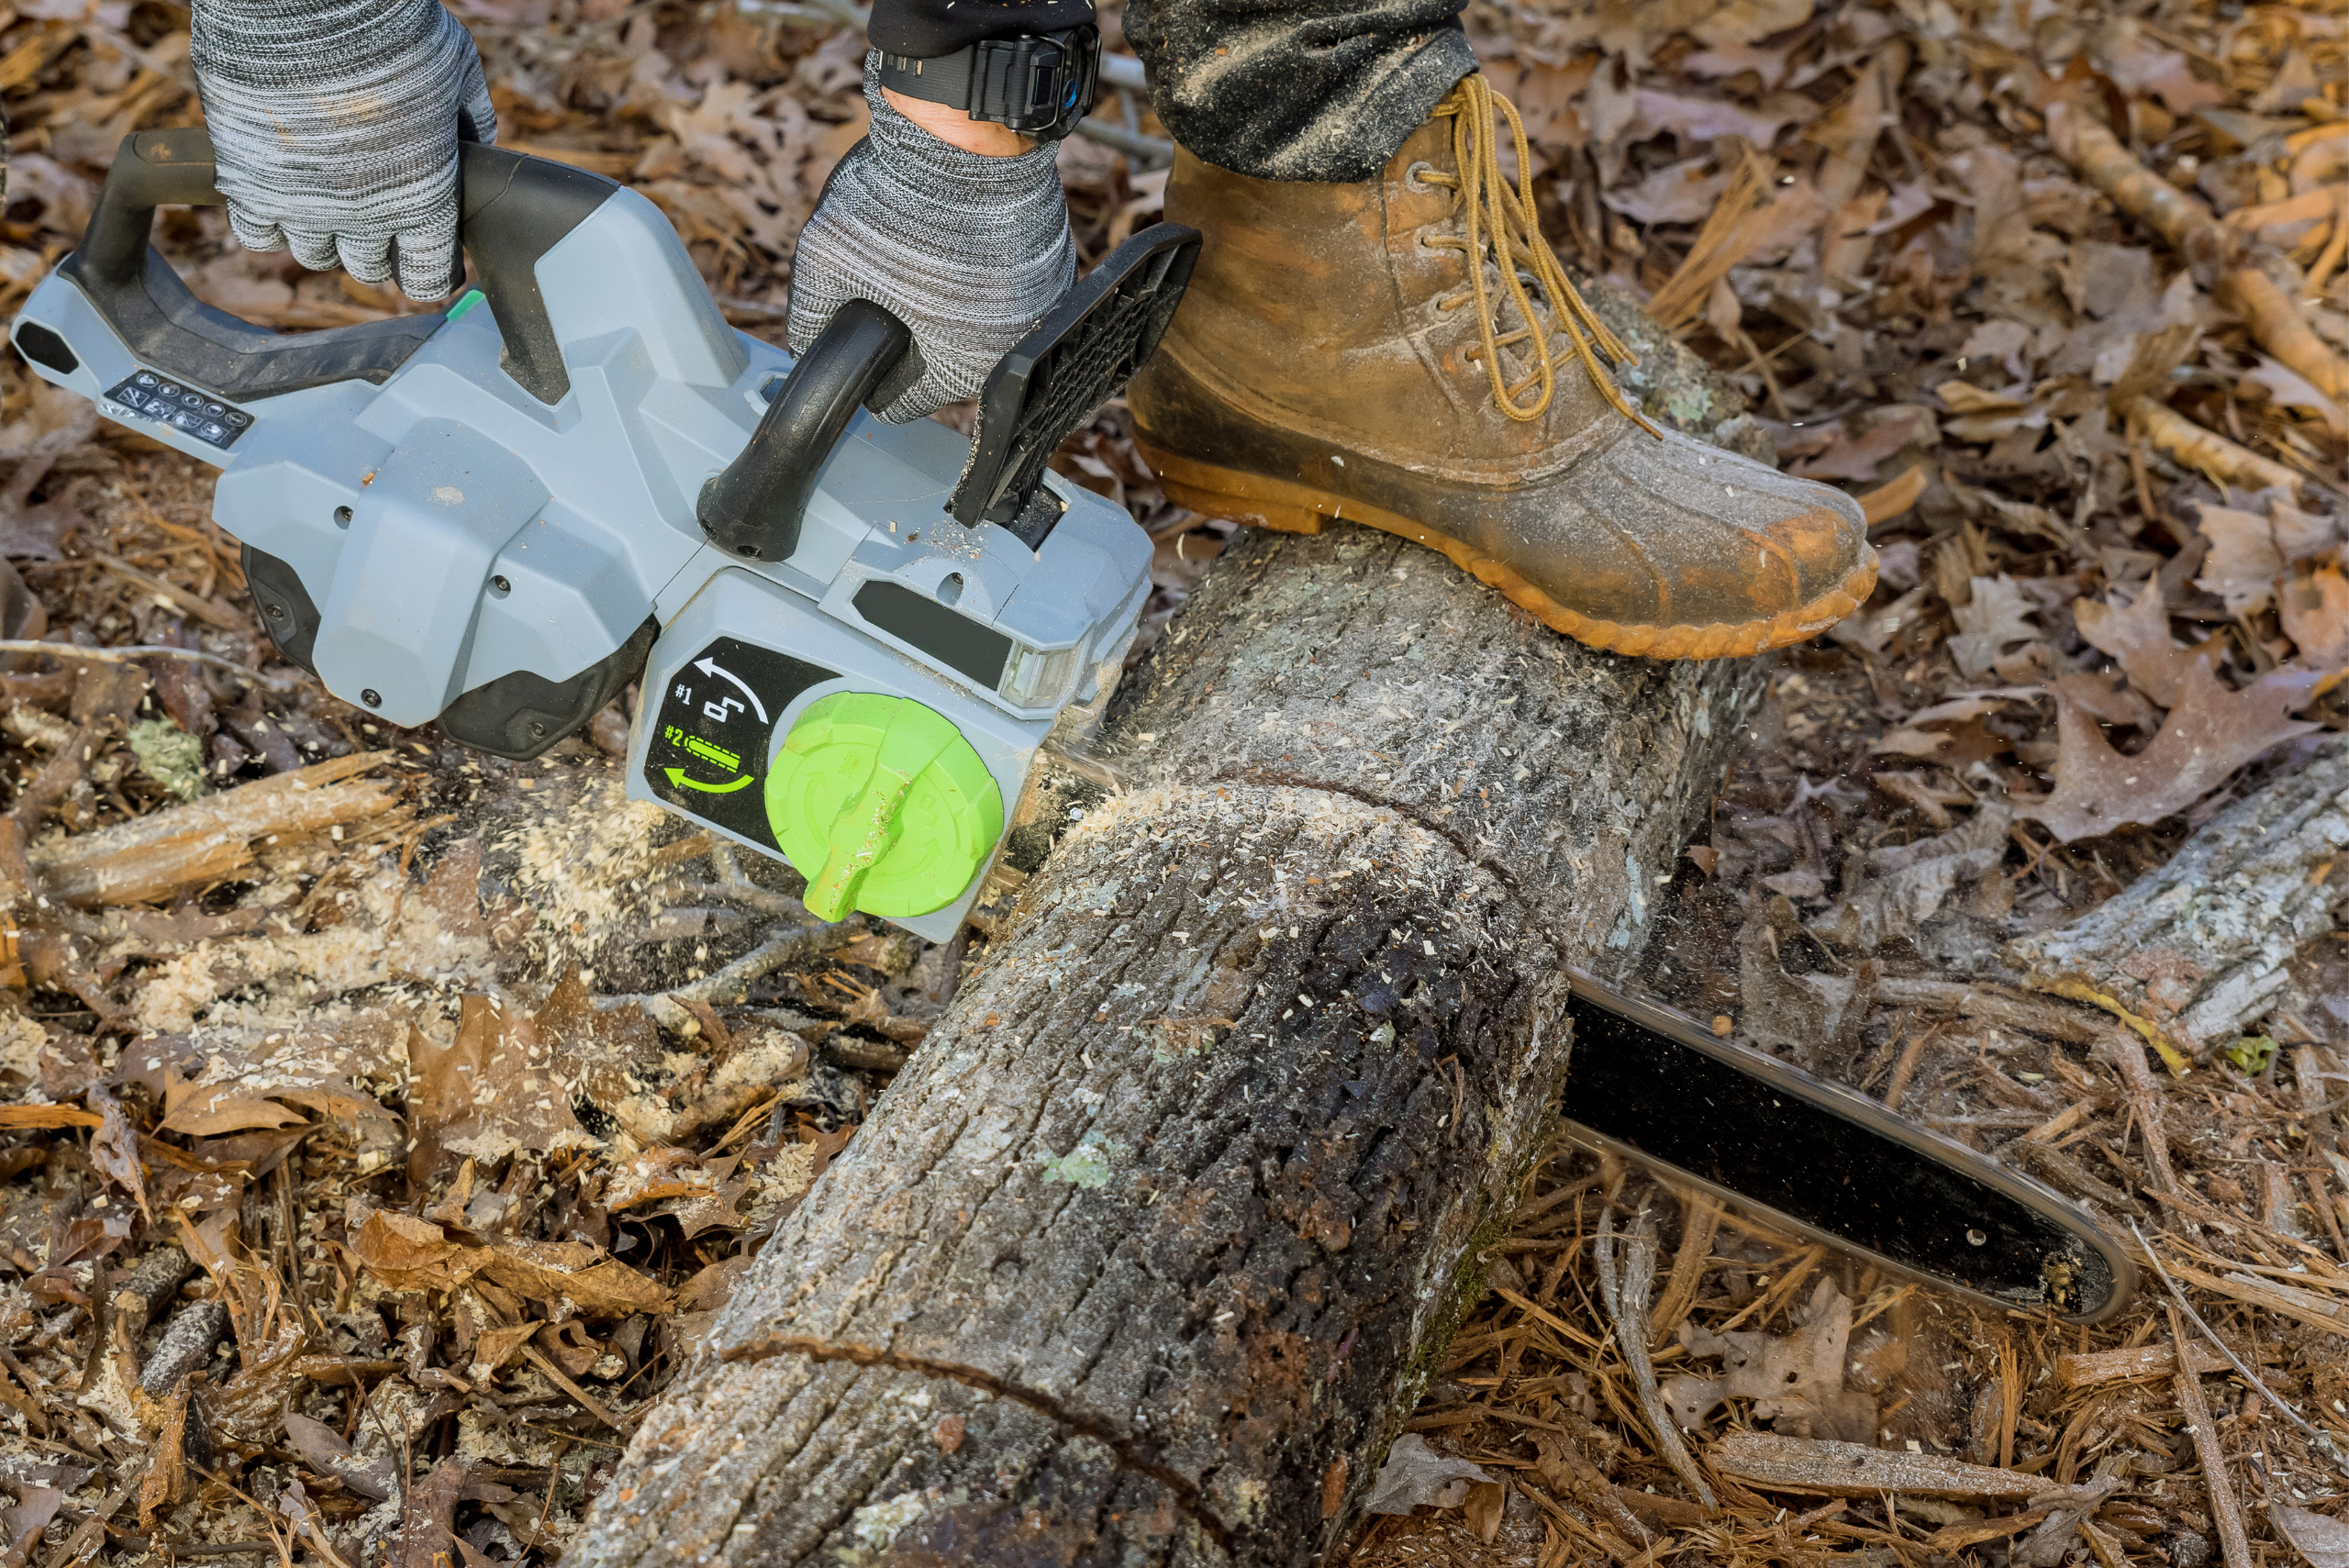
(149, 650)
(184, 600)
(732, 983)
(2128, 1058)
(2321, 1439)
(1700, 1216)
(2180, 437)
(2243, 274)
(562, 1379)
(1626, 1295)
(2226, 1509)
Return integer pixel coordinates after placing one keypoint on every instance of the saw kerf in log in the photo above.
(1149, 1250)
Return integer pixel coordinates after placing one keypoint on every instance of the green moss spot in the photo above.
(1086, 1165)
(170, 756)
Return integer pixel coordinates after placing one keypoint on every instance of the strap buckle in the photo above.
(1037, 84)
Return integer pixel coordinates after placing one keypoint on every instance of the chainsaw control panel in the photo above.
(190, 410)
(708, 746)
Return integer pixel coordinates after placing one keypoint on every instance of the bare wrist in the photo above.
(957, 129)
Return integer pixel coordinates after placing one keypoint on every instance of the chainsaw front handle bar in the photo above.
(516, 208)
(752, 509)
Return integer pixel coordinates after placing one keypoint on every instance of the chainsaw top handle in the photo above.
(516, 208)
(752, 509)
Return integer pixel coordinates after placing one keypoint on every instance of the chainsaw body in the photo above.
(496, 516)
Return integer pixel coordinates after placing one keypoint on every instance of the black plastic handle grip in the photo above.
(515, 209)
(753, 508)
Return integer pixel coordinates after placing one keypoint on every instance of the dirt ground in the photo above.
(349, 1211)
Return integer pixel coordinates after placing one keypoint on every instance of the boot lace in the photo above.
(1505, 219)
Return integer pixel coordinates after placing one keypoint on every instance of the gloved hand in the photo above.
(335, 124)
(967, 250)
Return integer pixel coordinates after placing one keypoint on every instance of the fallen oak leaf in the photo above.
(494, 1347)
(2245, 559)
(492, 1090)
(2138, 636)
(2323, 1541)
(407, 1254)
(2314, 608)
(2288, 387)
(2210, 732)
(1997, 615)
(589, 1278)
(207, 1111)
(324, 1451)
(1855, 456)
(114, 1148)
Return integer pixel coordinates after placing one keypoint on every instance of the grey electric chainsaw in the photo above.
(852, 636)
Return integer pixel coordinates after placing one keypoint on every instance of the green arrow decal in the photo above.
(677, 778)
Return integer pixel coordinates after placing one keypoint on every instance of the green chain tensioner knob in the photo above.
(883, 805)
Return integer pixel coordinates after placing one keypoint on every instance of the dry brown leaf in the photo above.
(2289, 388)
(493, 1090)
(1906, 883)
(2210, 732)
(202, 1112)
(427, 1522)
(2323, 1541)
(497, 1346)
(2140, 65)
(114, 1148)
(2314, 607)
(1854, 454)
(587, 1277)
(407, 1254)
(2108, 698)
(1997, 616)
(2245, 559)
(2138, 636)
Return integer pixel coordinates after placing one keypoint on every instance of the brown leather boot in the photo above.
(1337, 358)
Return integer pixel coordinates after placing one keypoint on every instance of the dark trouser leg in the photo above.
(1276, 89)
(1321, 90)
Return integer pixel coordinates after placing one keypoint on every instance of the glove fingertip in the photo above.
(369, 259)
(316, 251)
(427, 262)
(252, 232)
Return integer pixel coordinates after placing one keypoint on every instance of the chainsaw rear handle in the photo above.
(753, 508)
(516, 208)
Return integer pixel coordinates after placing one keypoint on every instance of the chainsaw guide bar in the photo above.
(1829, 1163)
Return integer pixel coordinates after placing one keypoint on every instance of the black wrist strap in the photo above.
(1037, 84)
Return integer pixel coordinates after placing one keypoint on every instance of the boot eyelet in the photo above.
(1411, 181)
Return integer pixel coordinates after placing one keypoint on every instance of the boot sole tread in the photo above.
(1285, 507)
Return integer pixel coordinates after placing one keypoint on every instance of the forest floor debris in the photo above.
(388, 1121)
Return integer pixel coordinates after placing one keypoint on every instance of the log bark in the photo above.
(1146, 1253)
(2191, 953)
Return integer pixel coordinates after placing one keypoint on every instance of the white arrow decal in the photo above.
(712, 667)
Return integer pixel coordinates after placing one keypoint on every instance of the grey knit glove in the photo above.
(968, 250)
(335, 124)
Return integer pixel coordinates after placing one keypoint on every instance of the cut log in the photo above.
(2192, 952)
(1149, 1250)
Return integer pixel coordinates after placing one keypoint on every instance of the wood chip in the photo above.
(2143, 1361)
